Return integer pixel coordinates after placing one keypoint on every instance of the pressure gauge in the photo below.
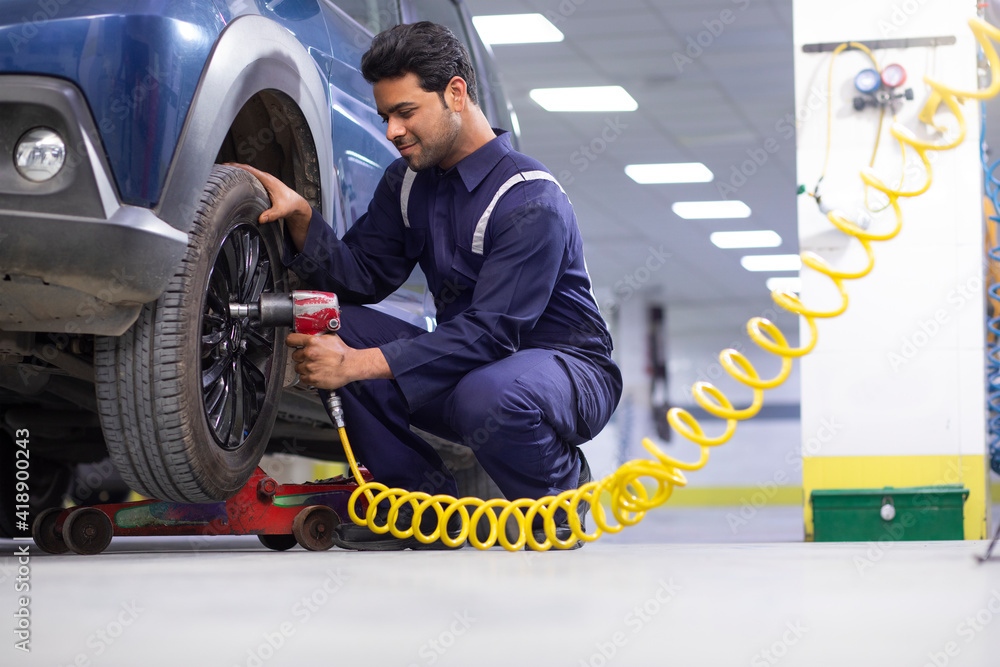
(893, 76)
(867, 81)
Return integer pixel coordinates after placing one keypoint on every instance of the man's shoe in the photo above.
(361, 538)
(563, 531)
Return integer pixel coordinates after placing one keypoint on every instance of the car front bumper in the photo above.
(73, 259)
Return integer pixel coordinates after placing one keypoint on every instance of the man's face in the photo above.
(422, 126)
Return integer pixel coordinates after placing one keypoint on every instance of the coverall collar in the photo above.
(475, 167)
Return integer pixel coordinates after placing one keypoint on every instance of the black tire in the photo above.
(278, 542)
(44, 532)
(167, 436)
(87, 531)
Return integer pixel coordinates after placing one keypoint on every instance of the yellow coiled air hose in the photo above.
(629, 498)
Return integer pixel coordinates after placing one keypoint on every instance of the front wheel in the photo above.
(188, 395)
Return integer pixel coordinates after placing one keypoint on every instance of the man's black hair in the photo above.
(429, 50)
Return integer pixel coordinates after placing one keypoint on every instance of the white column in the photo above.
(894, 392)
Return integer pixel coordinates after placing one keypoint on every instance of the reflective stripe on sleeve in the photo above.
(479, 236)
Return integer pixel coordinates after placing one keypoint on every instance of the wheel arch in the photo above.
(254, 61)
(271, 133)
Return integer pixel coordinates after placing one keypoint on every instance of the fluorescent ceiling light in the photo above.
(516, 29)
(702, 210)
(771, 262)
(591, 98)
(789, 284)
(676, 172)
(764, 238)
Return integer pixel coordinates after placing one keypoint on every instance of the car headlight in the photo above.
(40, 154)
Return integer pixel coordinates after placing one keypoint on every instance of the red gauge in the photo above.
(893, 76)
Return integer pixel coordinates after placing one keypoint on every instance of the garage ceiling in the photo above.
(724, 102)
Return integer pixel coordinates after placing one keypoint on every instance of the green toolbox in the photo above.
(911, 513)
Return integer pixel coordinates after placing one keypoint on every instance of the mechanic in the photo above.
(519, 367)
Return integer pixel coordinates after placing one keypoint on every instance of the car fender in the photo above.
(252, 54)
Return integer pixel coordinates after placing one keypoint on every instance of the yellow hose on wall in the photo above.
(629, 498)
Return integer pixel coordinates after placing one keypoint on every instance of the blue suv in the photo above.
(124, 237)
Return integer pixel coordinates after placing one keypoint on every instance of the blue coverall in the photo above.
(519, 367)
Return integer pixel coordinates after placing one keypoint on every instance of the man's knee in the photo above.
(481, 408)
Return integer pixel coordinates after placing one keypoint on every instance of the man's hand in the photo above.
(285, 203)
(326, 362)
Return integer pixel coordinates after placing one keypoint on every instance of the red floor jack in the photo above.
(281, 515)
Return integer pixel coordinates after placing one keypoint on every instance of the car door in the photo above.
(361, 151)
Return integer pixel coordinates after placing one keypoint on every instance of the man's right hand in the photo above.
(285, 203)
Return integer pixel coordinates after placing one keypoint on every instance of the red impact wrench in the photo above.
(305, 312)
(312, 313)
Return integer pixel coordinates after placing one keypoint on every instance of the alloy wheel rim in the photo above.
(236, 354)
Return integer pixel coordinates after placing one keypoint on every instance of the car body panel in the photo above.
(146, 94)
(252, 54)
(138, 70)
(156, 87)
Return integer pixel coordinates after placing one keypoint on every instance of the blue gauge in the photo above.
(867, 81)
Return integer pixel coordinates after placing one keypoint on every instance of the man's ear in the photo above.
(456, 95)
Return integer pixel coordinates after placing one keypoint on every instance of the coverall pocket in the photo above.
(467, 264)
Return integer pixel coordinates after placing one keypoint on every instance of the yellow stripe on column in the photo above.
(769, 495)
(876, 472)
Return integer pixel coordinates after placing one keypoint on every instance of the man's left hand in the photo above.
(327, 362)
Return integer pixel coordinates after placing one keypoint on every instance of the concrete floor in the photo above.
(656, 595)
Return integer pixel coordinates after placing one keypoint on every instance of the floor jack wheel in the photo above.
(278, 542)
(43, 530)
(88, 531)
(313, 527)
